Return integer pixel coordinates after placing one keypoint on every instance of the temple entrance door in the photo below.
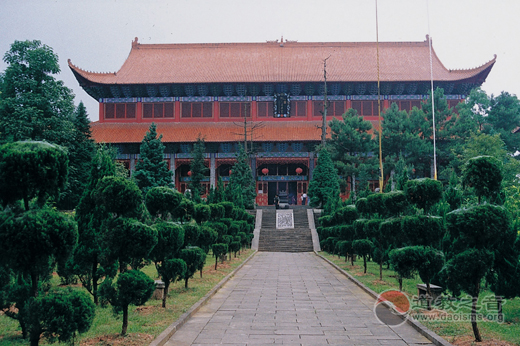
(293, 196)
(271, 192)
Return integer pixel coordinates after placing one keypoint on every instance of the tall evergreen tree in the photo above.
(324, 183)
(352, 146)
(197, 168)
(33, 104)
(241, 180)
(152, 170)
(81, 152)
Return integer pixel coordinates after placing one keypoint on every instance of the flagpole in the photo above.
(381, 177)
(432, 94)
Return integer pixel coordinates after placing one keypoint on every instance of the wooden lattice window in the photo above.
(265, 109)
(197, 109)
(298, 109)
(120, 110)
(335, 108)
(157, 110)
(235, 109)
(366, 108)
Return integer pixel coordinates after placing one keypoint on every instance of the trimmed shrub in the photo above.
(423, 192)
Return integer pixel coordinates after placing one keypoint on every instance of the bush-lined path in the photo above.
(292, 299)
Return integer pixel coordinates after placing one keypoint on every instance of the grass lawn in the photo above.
(455, 332)
(144, 322)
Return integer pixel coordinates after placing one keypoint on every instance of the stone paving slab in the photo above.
(291, 299)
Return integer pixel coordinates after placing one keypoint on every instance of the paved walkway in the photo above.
(290, 299)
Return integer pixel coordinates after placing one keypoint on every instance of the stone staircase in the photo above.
(297, 239)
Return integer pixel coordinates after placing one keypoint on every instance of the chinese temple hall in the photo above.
(276, 88)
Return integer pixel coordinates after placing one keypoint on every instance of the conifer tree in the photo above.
(197, 168)
(81, 152)
(324, 181)
(152, 170)
(241, 180)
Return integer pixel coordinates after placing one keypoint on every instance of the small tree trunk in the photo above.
(474, 326)
(95, 283)
(201, 273)
(165, 292)
(365, 263)
(216, 261)
(381, 270)
(186, 283)
(400, 283)
(125, 320)
(34, 284)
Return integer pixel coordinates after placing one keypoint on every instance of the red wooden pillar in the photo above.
(101, 112)
(139, 112)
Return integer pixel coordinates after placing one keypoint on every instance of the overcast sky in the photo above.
(97, 34)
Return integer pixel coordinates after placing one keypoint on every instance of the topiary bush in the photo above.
(424, 192)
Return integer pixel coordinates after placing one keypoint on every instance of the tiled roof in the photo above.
(275, 62)
(271, 131)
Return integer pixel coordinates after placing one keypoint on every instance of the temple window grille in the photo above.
(120, 110)
(157, 110)
(235, 109)
(335, 108)
(298, 109)
(265, 109)
(197, 109)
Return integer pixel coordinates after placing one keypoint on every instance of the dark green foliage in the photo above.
(484, 174)
(241, 180)
(132, 287)
(202, 213)
(326, 220)
(424, 230)
(59, 315)
(404, 261)
(424, 192)
(362, 206)
(152, 170)
(194, 258)
(475, 238)
(161, 201)
(346, 214)
(219, 250)
(129, 242)
(234, 247)
(184, 212)
(170, 239)
(32, 241)
(171, 270)
(479, 227)
(324, 181)
(33, 104)
(90, 217)
(244, 241)
(207, 237)
(363, 247)
(217, 211)
(81, 152)
(395, 202)
(371, 228)
(118, 195)
(351, 145)
(228, 209)
(342, 248)
(359, 228)
(329, 244)
(453, 194)
(197, 168)
(31, 169)
(234, 228)
(191, 234)
(376, 204)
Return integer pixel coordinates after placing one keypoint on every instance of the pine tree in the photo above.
(152, 170)
(241, 180)
(81, 152)
(197, 168)
(324, 183)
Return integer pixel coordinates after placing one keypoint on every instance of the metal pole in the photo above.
(432, 96)
(381, 177)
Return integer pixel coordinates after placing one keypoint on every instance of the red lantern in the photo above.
(265, 171)
(299, 171)
(189, 173)
(230, 171)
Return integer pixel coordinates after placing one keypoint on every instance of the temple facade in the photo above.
(268, 95)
